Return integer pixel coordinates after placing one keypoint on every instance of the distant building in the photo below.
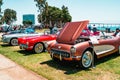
(29, 17)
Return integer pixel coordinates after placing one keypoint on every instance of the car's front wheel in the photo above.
(14, 42)
(39, 48)
(86, 59)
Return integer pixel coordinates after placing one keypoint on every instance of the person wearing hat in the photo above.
(117, 33)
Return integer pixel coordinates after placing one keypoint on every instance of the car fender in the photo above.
(83, 46)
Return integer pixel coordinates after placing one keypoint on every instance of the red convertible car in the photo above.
(35, 43)
(70, 46)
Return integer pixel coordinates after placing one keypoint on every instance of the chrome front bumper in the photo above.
(62, 54)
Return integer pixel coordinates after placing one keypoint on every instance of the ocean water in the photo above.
(104, 28)
(113, 28)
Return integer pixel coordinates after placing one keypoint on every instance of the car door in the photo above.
(105, 46)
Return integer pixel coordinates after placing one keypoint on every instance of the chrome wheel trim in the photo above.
(87, 59)
(14, 42)
(38, 48)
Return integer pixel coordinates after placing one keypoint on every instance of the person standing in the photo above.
(117, 32)
(55, 29)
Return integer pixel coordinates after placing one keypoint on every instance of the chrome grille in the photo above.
(60, 52)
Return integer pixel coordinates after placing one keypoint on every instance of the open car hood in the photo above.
(71, 32)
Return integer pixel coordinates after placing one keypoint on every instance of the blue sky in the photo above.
(96, 11)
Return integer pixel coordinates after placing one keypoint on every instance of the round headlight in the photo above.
(27, 43)
(73, 50)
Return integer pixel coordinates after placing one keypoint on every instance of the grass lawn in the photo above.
(107, 68)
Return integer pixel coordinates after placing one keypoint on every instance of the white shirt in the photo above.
(118, 34)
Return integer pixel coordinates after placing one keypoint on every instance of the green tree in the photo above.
(1, 2)
(41, 6)
(65, 14)
(54, 15)
(46, 12)
(9, 16)
(27, 23)
(50, 16)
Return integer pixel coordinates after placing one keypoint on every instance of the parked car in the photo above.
(70, 46)
(12, 39)
(23, 30)
(36, 43)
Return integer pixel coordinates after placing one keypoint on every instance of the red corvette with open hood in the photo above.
(69, 45)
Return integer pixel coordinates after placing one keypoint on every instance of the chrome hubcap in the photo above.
(87, 59)
(14, 42)
(38, 48)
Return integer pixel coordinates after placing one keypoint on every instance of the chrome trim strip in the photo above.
(75, 56)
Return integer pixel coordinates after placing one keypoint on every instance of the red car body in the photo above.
(35, 43)
(70, 46)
